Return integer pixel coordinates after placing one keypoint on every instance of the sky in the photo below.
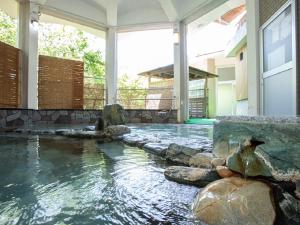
(144, 50)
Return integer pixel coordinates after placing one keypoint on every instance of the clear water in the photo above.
(69, 181)
(174, 131)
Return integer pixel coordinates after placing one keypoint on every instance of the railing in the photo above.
(94, 93)
(151, 98)
(198, 103)
(197, 93)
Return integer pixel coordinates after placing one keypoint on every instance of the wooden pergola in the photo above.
(197, 106)
(167, 72)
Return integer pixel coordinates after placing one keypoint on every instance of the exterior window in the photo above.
(277, 38)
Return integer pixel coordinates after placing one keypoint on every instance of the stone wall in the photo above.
(11, 118)
(228, 131)
(275, 144)
(151, 116)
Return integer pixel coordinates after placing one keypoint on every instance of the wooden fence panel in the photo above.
(60, 83)
(9, 76)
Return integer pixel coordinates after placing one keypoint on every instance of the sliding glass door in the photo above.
(278, 77)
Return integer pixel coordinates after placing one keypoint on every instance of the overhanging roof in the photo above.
(167, 72)
(122, 14)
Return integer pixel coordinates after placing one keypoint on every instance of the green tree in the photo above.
(8, 29)
(132, 94)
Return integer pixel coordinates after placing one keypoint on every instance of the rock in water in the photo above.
(288, 208)
(224, 172)
(297, 191)
(99, 126)
(156, 148)
(246, 162)
(193, 176)
(218, 162)
(202, 160)
(180, 153)
(116, 130)
(235, 201)
(113, 115)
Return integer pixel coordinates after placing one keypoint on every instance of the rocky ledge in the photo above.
(175, 149)
(252, 174)
(108, 128)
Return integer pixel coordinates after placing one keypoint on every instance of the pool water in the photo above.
(54, 180)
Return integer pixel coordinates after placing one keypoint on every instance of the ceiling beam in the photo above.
(202, 10)
(216, 13)
(169, 9)
(111, 7)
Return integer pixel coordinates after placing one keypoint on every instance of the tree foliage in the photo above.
(131, 94)
(8, 27)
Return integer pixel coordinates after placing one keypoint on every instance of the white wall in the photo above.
(242, 108)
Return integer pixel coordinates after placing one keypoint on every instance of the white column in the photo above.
(111, 65)
(28, 43)
(181, 72)
(212, 89)
(253, 62)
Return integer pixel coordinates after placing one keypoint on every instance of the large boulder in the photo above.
(193, 176)
(113, 115)
(277, 154)
(235, 201)
(180, 154)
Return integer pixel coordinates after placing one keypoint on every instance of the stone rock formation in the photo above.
(193, 176)
(112, 115)
(202, 160)
(288, 207)
(218, 162)
(180, 153)
(116, 130)
(245, 161)
(277, 154)
(235, 201)
(224, 172)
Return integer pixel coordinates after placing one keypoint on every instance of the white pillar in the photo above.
(28, 43)
(212, 89)
(181, 72)
(253, 56)
(111, 65)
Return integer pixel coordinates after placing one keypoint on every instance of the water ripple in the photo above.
(81, 182)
